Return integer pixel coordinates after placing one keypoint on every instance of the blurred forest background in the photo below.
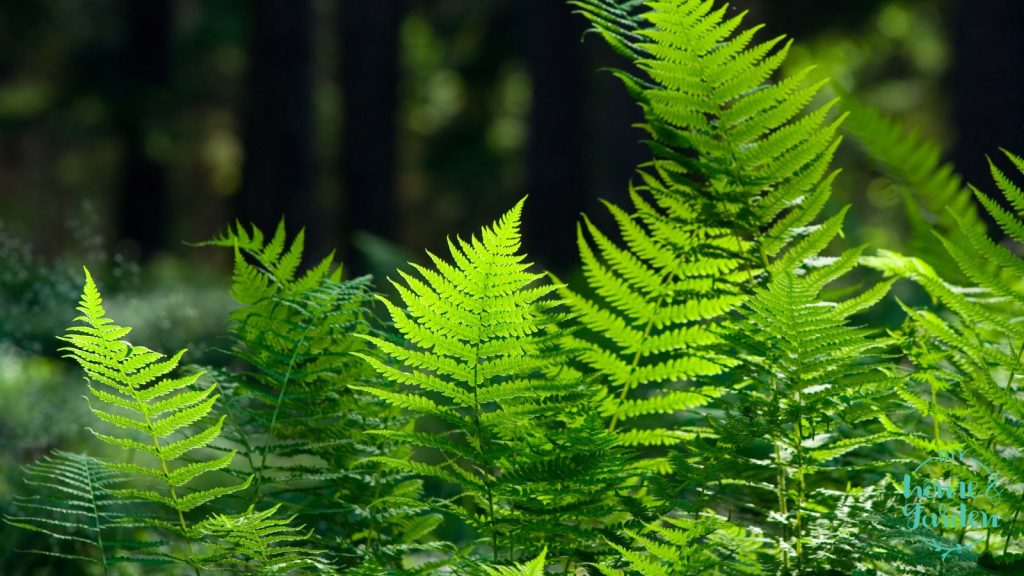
(129, 128)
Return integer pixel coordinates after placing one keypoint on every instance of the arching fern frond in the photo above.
(982, 341)
(932, 190)
(71, 502)
(518, 439)
(535, 567)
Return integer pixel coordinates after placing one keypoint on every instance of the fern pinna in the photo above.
(480, 359)
(981, 345)
(739, 172)
(300, 427)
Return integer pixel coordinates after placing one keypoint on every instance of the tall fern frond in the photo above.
(815, 388)
(299, 425)
(480, 359)
(740, 172)
(150, 412)
(71, 502)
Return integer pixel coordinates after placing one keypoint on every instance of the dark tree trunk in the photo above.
(987, 89)
(278, 173)
(141, 214)
(369, 74)
(556, 180)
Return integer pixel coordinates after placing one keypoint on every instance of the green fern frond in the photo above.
(301, 424)
(132, 390)
(932, 190)
(683, 546)
(535, 567)
(258, 543)
(72, 503)
(740, 172)
(480, 355)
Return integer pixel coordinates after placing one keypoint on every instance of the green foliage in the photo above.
(739, 174)
(71, 502)
(480, 359)
(150, 412)
(713, 398)
(258, 543)
(682, 547)
(300, 427)
(933, 193)
(981, 345)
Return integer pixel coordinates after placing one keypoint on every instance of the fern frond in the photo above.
(72, 502)
(480, 355)
(301, 411)
(707, 544)
(932, 190)
(132, 390)
(740, 172)
(259, 543)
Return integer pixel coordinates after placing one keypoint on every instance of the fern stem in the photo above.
(257, 497)
(1009, 531)
(96, 519)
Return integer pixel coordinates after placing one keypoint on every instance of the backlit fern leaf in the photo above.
(480, 357)
(740, 171)
(71, 503)
(149, 411)
(982, 340)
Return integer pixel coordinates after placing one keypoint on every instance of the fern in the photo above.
(258, 543)
(682, 547)
(300, 427)
(932, 191)
(480, 357)
(739, 173)
(72, 504)
(981, 345)
(130, 390)
(816, 387)
(534, 567)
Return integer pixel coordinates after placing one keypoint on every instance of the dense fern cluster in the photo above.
(709, 398)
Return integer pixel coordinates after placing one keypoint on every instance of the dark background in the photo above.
(383, 125)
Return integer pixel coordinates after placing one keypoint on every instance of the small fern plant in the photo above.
(508, 425)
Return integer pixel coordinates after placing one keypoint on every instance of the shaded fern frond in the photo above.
(71, 502)
(300, 426)
(932, 190)
(683, 546)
